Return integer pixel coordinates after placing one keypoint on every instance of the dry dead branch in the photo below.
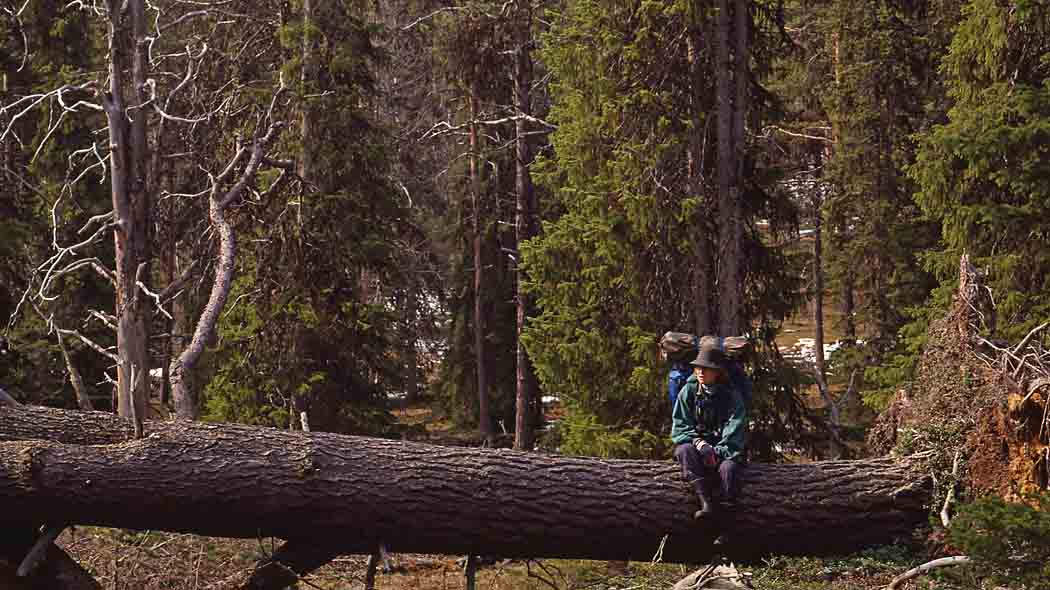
(946, 518)
(927, 568)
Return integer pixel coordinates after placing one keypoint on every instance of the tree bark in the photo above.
(127, 179)
(731, 210)
(525, 382)
(838, 448)
(186, 406)
(75, 379)
(356, 493)
(818, 287)
(484, 419)
(704, 270)
(728, 222)
(57, 569)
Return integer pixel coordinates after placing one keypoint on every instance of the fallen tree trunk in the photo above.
(355, 493)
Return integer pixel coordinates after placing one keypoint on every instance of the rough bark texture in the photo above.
(731, 209)
(356, 493)
(186, 398)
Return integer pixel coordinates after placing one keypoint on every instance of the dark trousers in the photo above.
(723, 477)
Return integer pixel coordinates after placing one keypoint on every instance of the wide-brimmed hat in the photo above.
(709, 357)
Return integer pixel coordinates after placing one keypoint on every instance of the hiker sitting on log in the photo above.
(709, 429)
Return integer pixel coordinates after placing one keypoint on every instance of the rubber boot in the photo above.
(707, 507)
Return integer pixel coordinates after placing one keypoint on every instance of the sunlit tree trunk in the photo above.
(130, 193)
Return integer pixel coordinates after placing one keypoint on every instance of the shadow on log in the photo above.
(355, 493)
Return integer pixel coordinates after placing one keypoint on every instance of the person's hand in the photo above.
(707, 452)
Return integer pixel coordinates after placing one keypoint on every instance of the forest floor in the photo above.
(127, 560)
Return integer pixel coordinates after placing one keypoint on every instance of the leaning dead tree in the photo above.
(358, 493)
(191, 120)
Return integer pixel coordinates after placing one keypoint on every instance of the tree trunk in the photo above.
(186, 403)
(849, 329)
(704, 272)
(838, 449)
(130, 208)
(731, 218)
(186, 406)
(75, 379)
(728, 258)
(139, 191)
(356, 493)
(484, 420)
(818, 288)
(308, 76)
(525, 383)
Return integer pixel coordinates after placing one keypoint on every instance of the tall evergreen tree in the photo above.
(475, 47)
(617, 266)
(322, 282)
(982, 173)
(882, 53)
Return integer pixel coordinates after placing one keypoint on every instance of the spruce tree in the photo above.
(982, 174)
(633, 195)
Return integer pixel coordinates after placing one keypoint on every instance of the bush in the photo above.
(1009, 542)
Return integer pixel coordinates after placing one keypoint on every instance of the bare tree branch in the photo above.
(444, 127)
(926, 568)
(946, 518)
(97, 348)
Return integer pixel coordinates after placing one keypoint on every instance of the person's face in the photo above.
(709, 376)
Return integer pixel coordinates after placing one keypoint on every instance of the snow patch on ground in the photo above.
(804, 351)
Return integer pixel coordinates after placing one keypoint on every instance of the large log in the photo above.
(354, 492)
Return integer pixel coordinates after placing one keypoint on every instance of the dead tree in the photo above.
(357, 493)
(219, 201)
(156, 97)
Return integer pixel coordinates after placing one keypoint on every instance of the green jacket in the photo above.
(716, 413)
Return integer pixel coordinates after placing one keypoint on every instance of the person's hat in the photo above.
(709, 357)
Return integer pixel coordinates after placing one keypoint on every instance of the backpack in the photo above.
(681, 348)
